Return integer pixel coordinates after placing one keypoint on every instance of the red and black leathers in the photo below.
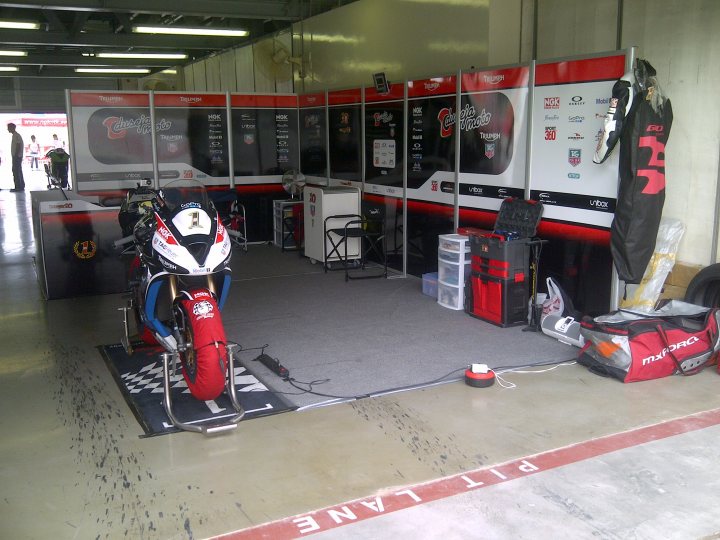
(640, 118)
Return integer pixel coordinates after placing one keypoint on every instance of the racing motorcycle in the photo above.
(179, 281)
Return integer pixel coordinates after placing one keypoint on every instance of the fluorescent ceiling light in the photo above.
(13, 53)
(112, 70)
(156, 56)
(9, 68)
(185, 31)
(169, 71)
(19, 25)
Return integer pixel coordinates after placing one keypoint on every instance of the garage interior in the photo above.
(546, 451)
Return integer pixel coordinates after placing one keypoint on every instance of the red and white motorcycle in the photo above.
(180, 278)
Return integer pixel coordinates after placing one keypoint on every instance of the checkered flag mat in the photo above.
(149, 380)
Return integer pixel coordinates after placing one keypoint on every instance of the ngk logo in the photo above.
(674, 347)
(552, 102)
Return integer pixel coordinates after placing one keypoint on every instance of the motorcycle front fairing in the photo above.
(189, 242)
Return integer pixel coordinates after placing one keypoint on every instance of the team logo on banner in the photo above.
(574, 156)
(249, 138)
(489, 150)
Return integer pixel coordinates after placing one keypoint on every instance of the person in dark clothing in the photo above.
(17, 149)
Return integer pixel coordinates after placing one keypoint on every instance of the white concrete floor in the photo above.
(581, 456)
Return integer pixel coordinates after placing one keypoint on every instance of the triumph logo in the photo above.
(432, 86)
(674, 347)
(110, 99)
(493, 79)
(185, 99)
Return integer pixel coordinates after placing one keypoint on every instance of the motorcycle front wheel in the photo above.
(204, 358)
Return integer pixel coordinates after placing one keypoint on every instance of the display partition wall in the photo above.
(430, 155)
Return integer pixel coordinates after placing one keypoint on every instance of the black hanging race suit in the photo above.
(640, 118)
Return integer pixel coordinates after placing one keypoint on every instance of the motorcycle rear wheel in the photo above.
(204, 360)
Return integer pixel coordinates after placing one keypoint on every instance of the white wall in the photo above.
(416, 38)
(406, 39)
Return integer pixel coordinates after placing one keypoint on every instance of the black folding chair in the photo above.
(371, 235)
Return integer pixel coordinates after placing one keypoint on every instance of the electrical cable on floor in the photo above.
(509, 385)
(284, 375)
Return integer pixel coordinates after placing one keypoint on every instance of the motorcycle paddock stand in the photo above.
(125, 340)
(207, 429)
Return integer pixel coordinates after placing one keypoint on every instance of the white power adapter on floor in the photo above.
(479, 376)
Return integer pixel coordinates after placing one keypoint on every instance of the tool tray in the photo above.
(518, 218)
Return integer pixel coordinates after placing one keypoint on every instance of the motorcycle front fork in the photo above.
(179, 324)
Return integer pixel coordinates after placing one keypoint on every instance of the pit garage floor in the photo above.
(563, 454)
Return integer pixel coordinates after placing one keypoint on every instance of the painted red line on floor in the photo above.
(402, 498)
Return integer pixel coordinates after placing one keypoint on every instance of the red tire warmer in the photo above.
(208, 332)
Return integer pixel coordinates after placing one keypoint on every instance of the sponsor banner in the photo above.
(570, 103)
(576, 208)
(191, 134)
(384, 152)
(109, 99)
(345, 97)
(311, 100)
(431, 139)
(112, 139)
(485, 81)
(437, 86)
(492, 192)
(189, 100)
(493, 136)
(605, 68)
(265, 143)
(313, 151)
(264, 101)
(344, 124)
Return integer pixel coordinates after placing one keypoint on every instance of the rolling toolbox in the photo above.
(499, 286)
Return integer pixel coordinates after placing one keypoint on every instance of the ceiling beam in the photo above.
(267, 9)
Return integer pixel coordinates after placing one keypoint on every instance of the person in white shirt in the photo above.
(34, 149)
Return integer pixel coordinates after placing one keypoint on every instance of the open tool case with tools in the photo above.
(499, 286)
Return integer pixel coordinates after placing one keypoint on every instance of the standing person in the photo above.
(34, 149)
(16, 152)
